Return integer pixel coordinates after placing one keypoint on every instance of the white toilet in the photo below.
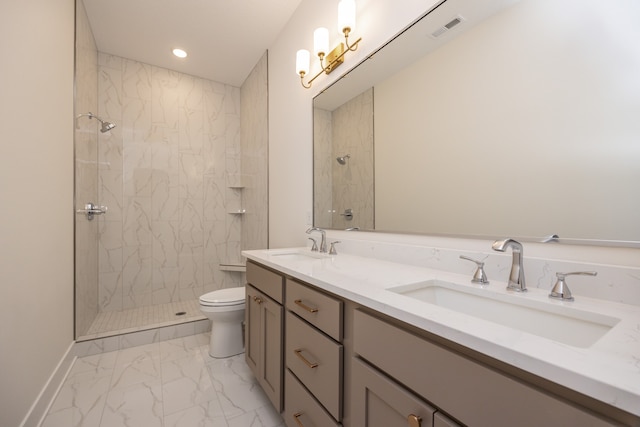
(225, 308)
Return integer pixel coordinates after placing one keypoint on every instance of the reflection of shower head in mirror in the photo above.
(343, 160)
(105, 125)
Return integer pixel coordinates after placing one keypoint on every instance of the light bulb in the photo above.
(346, 15)
(320, 41)
(302, 61)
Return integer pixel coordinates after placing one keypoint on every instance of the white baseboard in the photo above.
(39, 409)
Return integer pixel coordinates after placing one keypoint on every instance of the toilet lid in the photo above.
(230, 296)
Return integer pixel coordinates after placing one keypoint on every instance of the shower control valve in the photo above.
(90, 210)
(348, 214)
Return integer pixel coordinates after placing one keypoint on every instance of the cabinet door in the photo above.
(263, 343)
(440, 420)
(377, 401)
(252, 330)
(271, 344)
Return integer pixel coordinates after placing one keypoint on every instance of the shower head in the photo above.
(343, 160)
(105, 125)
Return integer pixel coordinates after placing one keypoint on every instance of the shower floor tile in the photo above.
(109, 323)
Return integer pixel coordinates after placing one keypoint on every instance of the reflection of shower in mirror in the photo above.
(105, 126)
(343, 160)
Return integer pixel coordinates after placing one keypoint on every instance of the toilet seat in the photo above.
(223, 297)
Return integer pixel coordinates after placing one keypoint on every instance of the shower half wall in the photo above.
(169, 174)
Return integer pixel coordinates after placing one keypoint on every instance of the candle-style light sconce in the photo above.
(329, 61)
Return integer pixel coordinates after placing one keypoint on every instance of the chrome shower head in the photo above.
(343, 160)
(105, 125)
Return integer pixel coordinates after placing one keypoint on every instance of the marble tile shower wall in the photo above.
(322, 167)
(346, 130)
(255, 159)
(352, 133)
(163, 174)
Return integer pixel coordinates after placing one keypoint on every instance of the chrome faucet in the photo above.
(516, 277)
(323, 242)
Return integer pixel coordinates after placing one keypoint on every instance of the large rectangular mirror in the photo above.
(490, 118)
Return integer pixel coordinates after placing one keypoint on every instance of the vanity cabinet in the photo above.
(314, 357)
(473, 393)
(264, 329)
(344, 364)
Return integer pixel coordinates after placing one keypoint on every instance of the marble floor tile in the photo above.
(134, 405)
(186, 383)
(208, 414)
(166, 384)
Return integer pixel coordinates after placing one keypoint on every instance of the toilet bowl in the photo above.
(225, 308)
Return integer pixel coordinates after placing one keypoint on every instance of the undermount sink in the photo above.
(298, 255)
(556, 322)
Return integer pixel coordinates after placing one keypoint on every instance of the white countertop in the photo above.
(608, 370)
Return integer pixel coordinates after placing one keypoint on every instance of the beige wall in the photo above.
(540, 139)
(36, 195)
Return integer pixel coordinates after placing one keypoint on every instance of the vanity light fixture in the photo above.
(329, 61)
(179, 53)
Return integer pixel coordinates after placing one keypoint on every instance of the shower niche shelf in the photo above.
(233, 266)
(237, 181)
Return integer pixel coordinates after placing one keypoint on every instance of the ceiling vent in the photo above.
(448, 26)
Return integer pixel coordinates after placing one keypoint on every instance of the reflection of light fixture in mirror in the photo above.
(346, 23)
(343, 160)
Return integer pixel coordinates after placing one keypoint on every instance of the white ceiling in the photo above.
(224, 38)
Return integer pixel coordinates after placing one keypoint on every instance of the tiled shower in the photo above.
(171, 177)
(347, 130)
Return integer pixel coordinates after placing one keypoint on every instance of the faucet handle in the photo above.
(561, 290)
(332, 248)
(479, 276)
(314, 245)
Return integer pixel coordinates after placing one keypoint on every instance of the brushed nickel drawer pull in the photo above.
(414, 421)
(296, 416)
(306, 307)
(298, 353)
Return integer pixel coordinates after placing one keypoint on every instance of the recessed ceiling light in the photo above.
(179, 53)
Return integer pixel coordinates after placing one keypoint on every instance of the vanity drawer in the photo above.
(301, 409)
(321, 310)
(378, 401)
(316, 361)
(266, 281)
